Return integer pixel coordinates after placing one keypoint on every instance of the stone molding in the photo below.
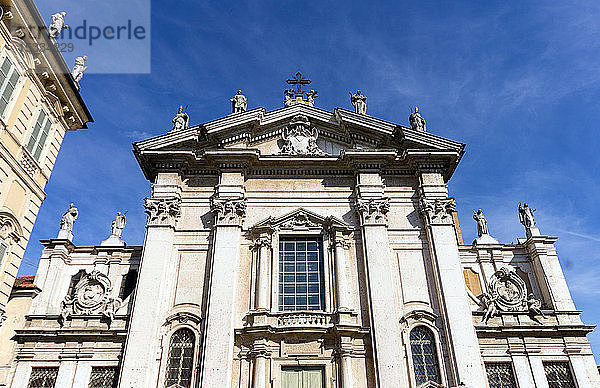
(91, 297)
(507, 292)
(228, 211)
(373, 210)
(438, 211)
(264, 241)
(10, 228)
(299, 220)
(162, 211)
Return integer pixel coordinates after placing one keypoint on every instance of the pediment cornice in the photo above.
(299, 220)
(235, 140)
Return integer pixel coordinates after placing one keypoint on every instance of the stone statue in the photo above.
(66, 223)
(489, 305)
(57, 25)
(118, 225)
(310, 97)
(181, 120)
(417, 122)
(360, 102)
(526, 216)
(239, 103)
(481, 223)
(79, 68)
(534, 306)
(289, 96)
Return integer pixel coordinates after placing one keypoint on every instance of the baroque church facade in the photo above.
(302, 248)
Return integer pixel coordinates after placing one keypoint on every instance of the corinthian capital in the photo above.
(438, 211)
(162, 211)
(228, 211)
(373, 210)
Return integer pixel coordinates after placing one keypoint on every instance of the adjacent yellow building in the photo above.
(39, 103)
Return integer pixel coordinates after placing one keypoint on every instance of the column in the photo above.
(262, 245)
(343, 275)
(141, 359)
(346, 372)
(262, 354)
(549, 273)
(436, 209)
(539, 374)
(372, 207)
(523, 374)
(229, 207)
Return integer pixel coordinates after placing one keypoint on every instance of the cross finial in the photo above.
(298, 80)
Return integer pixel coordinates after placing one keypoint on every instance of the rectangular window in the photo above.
(298, 377)
(559, 375)
(301, 275)
(104, 377)
(39, 134)
(9, 77)
(43, 377)
(500, 375)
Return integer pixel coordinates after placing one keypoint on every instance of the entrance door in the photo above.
(298, 377)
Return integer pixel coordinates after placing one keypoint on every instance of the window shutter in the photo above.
(43, 136)
(8, 82)
(39, 134)
(2, 252)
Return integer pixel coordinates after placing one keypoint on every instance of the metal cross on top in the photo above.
(298, 80)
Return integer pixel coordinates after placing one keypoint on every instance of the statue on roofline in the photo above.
(360, 102)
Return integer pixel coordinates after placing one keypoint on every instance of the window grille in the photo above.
(104, 377)
(472, 281)
(43, 377)
(181, 358)
(559, 375)
(500, 375)
(9, 76)
(39, 134)
(301, 275)
(424, 355)
(128, 284)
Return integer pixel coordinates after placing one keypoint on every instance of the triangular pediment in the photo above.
(301, 219)
(296, 134)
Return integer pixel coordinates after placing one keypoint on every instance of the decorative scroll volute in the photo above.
(373, 210)
(91, 296)
(438, 211)
(162, 211)
(228, 211)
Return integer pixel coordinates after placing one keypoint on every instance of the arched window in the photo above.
(472, 281)
(181, 358)
(74, 280)
(424, 355)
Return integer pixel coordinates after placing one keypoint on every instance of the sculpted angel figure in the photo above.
(57, 25)
(534, 306)
(289, 96)
(490, 306)
(310, 97)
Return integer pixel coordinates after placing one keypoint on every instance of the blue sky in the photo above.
(518, 82)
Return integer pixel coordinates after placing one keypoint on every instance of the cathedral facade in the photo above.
(302, 248)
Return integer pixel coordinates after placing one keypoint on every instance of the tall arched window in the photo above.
(472, 281)
(424, 354)
(181, 358)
